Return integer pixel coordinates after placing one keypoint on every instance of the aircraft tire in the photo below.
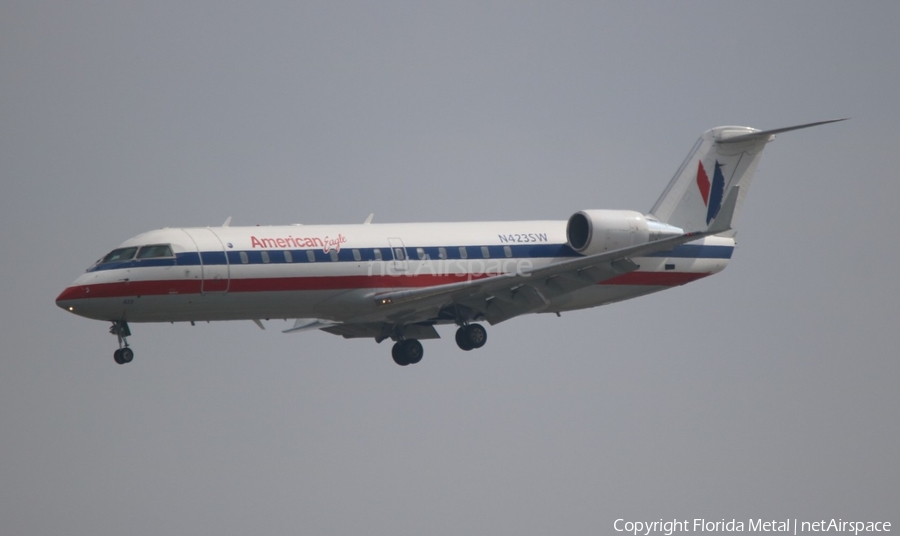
(477, 335)
(397, 354)
(471, 337)
(413, 351)
(123, 355)
(462, 339)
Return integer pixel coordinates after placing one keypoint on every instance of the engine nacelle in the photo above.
(596, 231)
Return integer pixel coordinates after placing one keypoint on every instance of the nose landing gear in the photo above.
(124, 354)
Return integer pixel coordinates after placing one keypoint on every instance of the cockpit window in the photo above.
(119, 255)
(155, 251)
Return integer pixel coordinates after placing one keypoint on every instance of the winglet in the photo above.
(369, 219)
(227, 222)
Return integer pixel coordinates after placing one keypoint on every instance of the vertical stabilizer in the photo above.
(695, 194)
(723, 159)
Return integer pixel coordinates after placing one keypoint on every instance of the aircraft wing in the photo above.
(501, 297)
(505, 296)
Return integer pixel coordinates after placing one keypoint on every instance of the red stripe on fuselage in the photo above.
(129, 288)
(165, 287)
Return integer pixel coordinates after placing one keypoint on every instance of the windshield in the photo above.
(158, 250)
(118, 255)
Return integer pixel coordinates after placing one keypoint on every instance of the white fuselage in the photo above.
(336, 272)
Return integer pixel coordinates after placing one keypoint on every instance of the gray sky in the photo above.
(769, 390)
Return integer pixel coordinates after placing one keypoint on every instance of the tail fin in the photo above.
(719, 167)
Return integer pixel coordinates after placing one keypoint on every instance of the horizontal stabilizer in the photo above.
(766, 133)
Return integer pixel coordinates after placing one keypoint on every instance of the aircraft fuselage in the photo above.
(337, 272)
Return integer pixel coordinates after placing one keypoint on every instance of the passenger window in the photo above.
(265, 256)
(244, 258)
(507, 251)
(288, 257)
(119, 255)
(333, 254)
(398, 254)
(485, 252)
(421, 253)
(463, 254)
(311, 255)
(377, 254)
(356, 255)
(442, 253)
(155, 251)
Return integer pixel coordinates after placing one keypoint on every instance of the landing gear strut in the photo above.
(471, 336)
(124, 354)
(407, 352)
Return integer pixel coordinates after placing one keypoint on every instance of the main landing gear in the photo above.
(409, 351)
(471, 336)
(124, 354)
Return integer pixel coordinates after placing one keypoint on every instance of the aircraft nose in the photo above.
(66, 299)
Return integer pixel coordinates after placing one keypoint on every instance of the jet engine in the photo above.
(595, 231)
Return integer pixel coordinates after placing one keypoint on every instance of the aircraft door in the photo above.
(214, 267)
(398, 253)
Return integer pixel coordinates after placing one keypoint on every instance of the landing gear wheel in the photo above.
(413, 351)
(471, 337)
(123, 355)
(462, 339)
(407, 352)
(397, 354)
(477, 335)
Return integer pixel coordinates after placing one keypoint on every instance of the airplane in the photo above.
(399, 281)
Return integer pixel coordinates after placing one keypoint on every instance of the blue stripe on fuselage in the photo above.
(299, 256)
